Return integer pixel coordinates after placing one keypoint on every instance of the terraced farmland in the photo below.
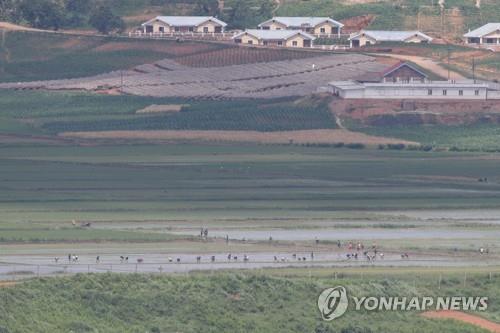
(168, 78)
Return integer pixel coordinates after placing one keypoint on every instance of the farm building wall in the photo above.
(248, 39)
(364, 40)
(158, 24)
(413, 91)
(209, 27)
(275, 26)
(328, 26)
(424, 92)
(299, 40)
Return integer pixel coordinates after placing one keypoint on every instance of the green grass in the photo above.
(50, 113)
(221, 303)
(136, 183)
(34, 235)
(30, 56)
(477, 137)
(245, 115)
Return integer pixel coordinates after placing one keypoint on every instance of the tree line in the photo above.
(99, 14)
(57, 14)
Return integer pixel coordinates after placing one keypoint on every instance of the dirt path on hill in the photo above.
(426, 63)
(464, 317)
(15, 27)
(297, 137)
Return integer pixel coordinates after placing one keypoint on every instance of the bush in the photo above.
(355, 146)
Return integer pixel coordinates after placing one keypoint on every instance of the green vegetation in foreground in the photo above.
(478, 137)
(53, 112)
(222, 303)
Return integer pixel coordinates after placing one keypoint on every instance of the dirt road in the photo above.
(298, 137)
(15, 27)
(464, 317)
(426, 63)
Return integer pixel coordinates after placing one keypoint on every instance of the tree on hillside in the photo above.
(77, 12)
(266, 8)
(241, 15)
(207, 7)
(42, 14)
(103, 19)
(79, 6)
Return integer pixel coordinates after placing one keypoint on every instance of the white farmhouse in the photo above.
(371, 37)
(486, 36)
(318, 26)
(278, 38)
(184, 24)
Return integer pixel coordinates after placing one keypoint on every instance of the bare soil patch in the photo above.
(7, 284)
(446, 112)
(357, 23)
(15, 27)
(326, 136)
(169, 108)
(464, 317)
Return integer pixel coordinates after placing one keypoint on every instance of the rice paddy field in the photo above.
(107, 230)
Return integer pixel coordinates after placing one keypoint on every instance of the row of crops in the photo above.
(231, 115)
(239, 56)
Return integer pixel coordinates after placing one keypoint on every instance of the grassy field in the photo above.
(51, 113)
(49, 187)
(29, 56)
(477, 137)
(222, 303)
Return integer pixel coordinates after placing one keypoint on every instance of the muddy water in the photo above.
(350, 234)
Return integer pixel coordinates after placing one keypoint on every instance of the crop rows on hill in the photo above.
(239, 56)
(240, 115)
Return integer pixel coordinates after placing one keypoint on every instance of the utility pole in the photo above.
(448, 48)
(121, 82)
(474, 69)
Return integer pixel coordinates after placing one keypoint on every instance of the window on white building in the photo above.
(429, 92)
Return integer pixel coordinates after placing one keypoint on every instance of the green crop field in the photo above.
(223, 303)
(30, 56)
(476, 137)
(51, 113)
(47, 187)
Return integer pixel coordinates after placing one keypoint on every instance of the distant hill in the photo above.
(451, 19)
(441, 18)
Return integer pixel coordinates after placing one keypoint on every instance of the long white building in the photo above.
(466, 90)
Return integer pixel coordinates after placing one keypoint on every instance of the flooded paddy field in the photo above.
(152, 201)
